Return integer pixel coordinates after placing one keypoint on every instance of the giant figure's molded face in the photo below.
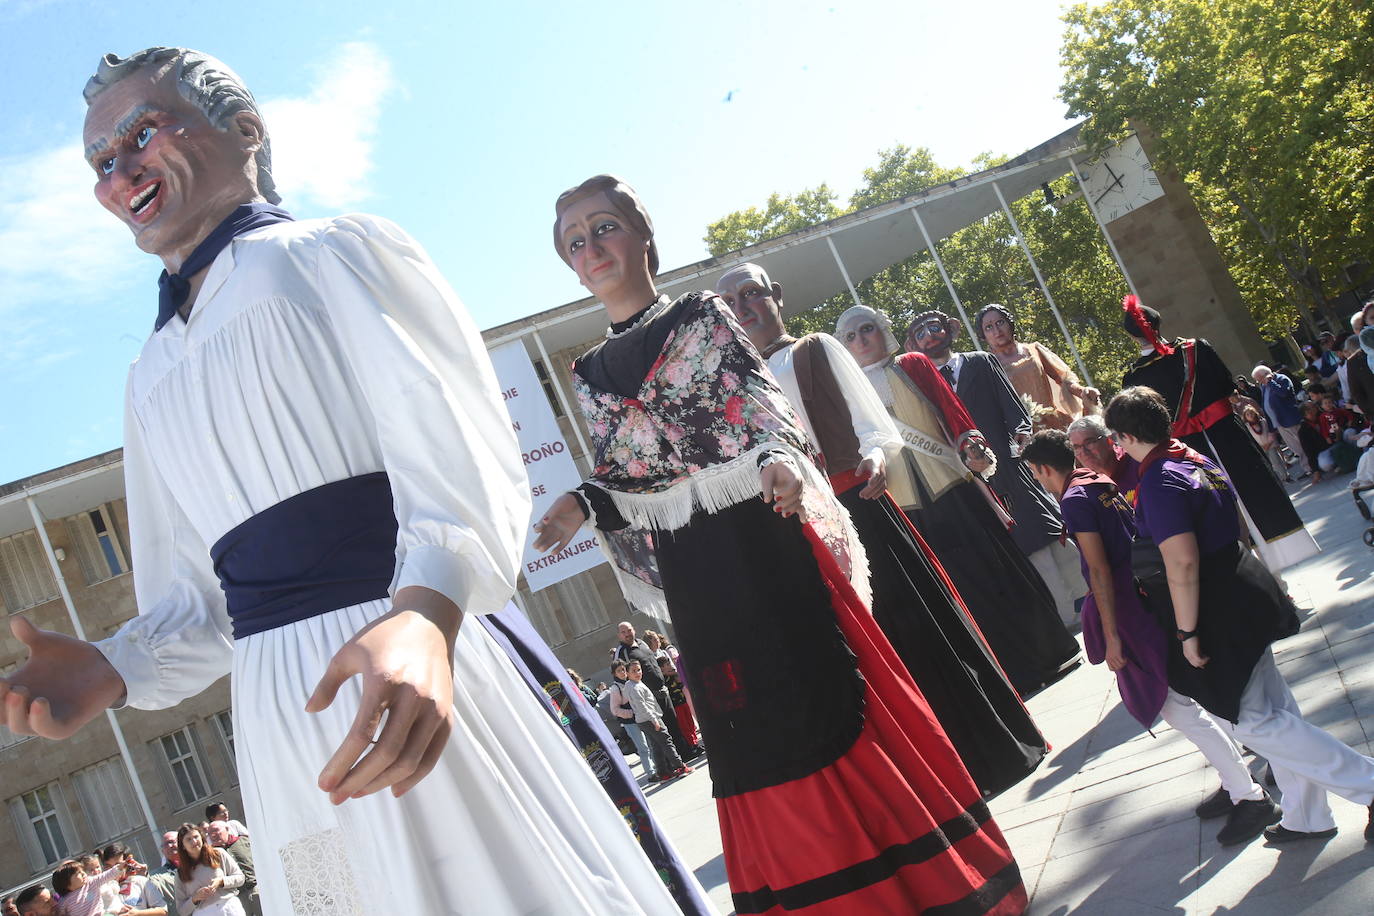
(757, 309)
(162, 168)
(603, 250)
(931, 337)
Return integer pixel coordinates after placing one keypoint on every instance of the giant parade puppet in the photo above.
(323, 486)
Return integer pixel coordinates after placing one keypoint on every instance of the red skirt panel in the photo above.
(894, 826)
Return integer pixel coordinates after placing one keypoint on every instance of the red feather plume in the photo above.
(1132, 306)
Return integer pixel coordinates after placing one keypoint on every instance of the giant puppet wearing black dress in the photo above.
(1196, 385)
(837, 791)
(914, 602)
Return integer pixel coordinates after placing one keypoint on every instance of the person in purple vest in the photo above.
(322, 484)
(1118, 630)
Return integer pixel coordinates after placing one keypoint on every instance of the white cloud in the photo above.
(57, 245)
(322, 142)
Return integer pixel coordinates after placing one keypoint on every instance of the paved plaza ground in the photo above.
(1106, 825)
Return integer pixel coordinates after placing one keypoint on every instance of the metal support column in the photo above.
(1087, 379)
(944, 275)
(38, 522)
(844, 273)
(1102, 227)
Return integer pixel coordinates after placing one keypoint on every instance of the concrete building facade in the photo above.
(69, 797)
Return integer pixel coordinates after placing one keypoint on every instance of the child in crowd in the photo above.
(649, 718)
(83, 893)
(678, 694)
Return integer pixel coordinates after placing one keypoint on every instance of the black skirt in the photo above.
(775, 687)
(941, 647)
(1006, 596)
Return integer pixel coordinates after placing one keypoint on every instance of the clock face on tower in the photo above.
(1121, 180)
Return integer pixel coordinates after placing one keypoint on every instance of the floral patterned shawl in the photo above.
(706, 414)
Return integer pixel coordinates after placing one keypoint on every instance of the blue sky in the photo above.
(462, 122)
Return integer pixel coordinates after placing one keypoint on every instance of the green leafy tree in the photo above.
(1267, 111)
(984, 261)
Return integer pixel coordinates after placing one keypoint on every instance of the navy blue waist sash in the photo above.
(327, 548)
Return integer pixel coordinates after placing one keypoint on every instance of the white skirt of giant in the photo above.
(510, 821)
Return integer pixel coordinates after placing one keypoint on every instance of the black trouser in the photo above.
(667, 761)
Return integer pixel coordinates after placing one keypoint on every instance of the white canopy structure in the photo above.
(839, 254)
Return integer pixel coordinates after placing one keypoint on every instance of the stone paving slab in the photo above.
(1105, 825)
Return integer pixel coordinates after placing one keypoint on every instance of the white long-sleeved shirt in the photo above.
(873, 425)
(317, 350)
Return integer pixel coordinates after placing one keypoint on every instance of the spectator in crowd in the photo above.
(219, 812)
(1325, 359)
(633, 649)
(582, 686)
(1267, 440)
(1248, 388)
(164, 877)
(686, 723)
(650, 719)
(1359, 378)
(8, 907)
(222, 836)
(86, 893)
(1338, 426)
(1228, 609)
(208, 879)
(1281, 407)
(1035, 371)
(1119, 630)
(1312, 438)
(625, 715)
(36, 901)
(136, 891)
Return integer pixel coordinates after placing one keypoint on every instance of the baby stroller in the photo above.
(1356, 493)
(1364, 482)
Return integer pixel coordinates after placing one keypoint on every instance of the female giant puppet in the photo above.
(303, 430)
(836, 789)
(914, 602)
(957, 514)
(1196, 385)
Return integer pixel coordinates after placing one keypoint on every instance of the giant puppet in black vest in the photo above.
(1197, 385)
(979, 381)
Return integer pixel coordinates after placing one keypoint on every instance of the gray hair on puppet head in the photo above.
(204, 81)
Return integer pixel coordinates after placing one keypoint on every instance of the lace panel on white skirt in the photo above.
(319, 877)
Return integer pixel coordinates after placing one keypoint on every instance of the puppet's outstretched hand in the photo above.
(66, 683)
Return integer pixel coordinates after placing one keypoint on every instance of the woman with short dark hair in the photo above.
(1228, 609)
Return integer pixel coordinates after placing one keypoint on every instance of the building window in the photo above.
(7, 737)
(224, 724)
(188, 772)
(549, 391)
(98, 544)
(107, 798)
(25, 577)
(44, 829)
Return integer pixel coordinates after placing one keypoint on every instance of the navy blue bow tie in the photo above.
(172, 289)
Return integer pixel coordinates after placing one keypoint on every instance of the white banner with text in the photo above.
(548, 462)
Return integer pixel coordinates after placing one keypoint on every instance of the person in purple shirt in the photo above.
(1119, 630)
(1228, 609)
(1094, 449)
